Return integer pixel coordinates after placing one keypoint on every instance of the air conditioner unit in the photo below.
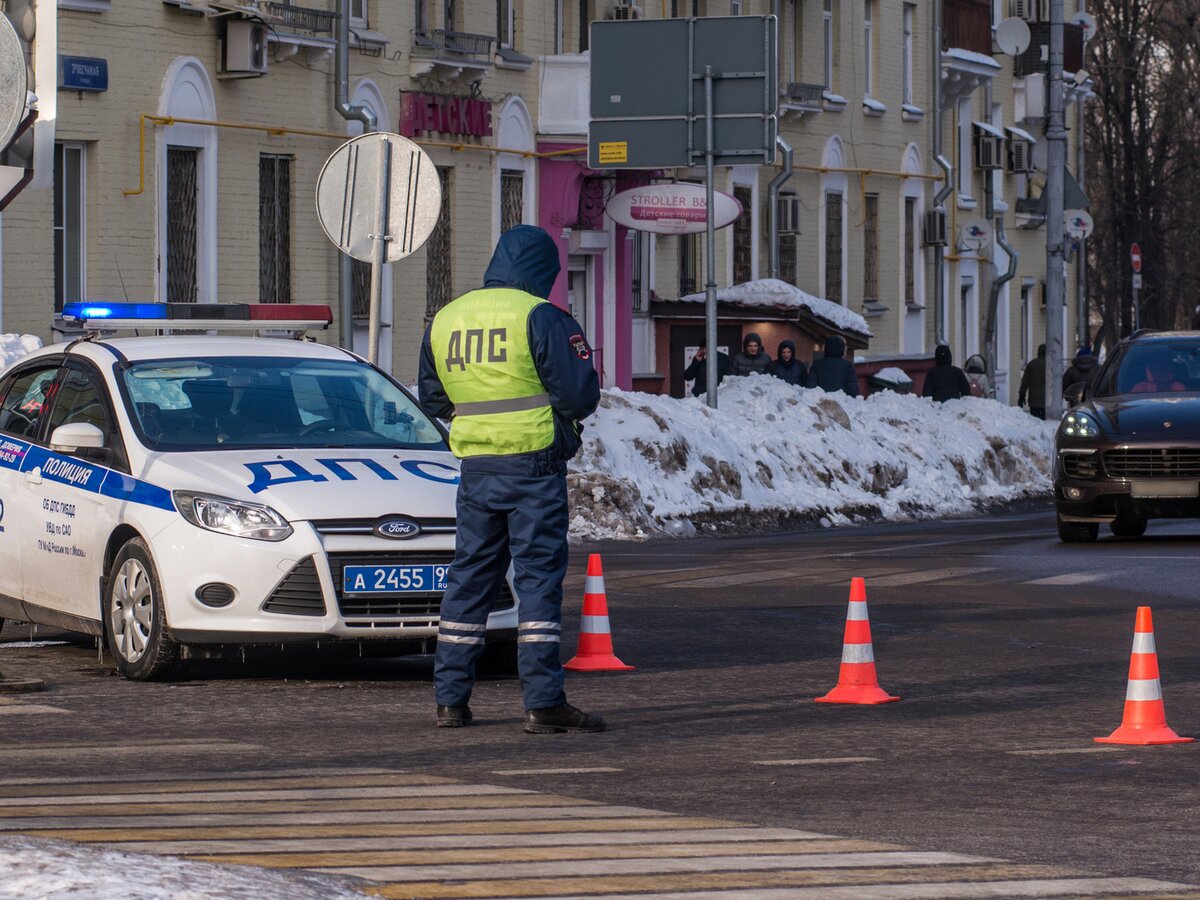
(933, 230)
(1030, 10)
(989, 151)
(789, 213)
(626, 11)
(1020, 156)
(245, 49)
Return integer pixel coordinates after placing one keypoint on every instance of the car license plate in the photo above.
(394, 579)
(1165, 488)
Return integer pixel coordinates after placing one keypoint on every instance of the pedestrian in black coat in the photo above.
(787, 367)
(697, 371)
(833, 372)
(753, 358)
(945, 381)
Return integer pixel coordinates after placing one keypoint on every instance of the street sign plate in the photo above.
(348, 196)
(13, 87)
(1137, 281)
(1135, 257)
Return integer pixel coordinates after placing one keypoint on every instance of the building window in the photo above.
(182, 198)
(743, 246)
(833, 247)
(68, 224)
(424, 23)
(358, 12)
(909, 14)
(871, 248)
(439, 283)
(506, 22)
(868, 48)
(274, 229)
(735, 7)
(451, 18)
(827, 32)
(910, 250)
(788, 270)
(640, 280)
(689, 264)
(512, 199)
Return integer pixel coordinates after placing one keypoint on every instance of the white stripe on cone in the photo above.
(1143, 689)
(595, 624)
(858, 653)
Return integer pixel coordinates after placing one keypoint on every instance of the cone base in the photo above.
(597, 664)
(864, 695)
(1131, 735)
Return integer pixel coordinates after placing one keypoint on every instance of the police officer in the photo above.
(515, 375)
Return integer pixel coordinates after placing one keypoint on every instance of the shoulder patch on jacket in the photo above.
(580, 345)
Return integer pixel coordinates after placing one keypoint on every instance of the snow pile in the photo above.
(893, 375)
(775, 456)
(772, 292)
(35, 868)
(14, 346)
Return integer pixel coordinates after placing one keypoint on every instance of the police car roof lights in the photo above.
(175, 316)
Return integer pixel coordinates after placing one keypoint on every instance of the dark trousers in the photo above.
(1039, 411)
(501, 518)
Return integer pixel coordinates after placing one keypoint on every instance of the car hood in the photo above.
(1147, 414)
(318, 484)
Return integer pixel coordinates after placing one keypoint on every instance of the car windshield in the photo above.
(1154, 367)
(219, 403)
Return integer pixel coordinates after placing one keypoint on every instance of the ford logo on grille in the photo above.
(397, 529)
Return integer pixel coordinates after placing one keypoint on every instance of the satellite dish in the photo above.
(1012, 36)
(974, 235)
(13, 81)
(1086, 21)
(1078, 224)
(1081, 77)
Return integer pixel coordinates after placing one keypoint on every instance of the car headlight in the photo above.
(232, 517)
(1080, 424)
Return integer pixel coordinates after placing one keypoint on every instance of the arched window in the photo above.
(513, 175)
(912, 259)
(833, 267)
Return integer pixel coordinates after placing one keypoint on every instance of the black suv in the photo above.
(1130, 450)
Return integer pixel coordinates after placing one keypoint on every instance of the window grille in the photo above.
(871, 248)
(788, 270)
(643, 252)
(68, 224)
(833, 247)
(439, 283)
(274, 229)
(910, 249)
(360, 272)
(743, 256)
(182, 198)
(689, 264)
(512, 199)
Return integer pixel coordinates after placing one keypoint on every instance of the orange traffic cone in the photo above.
(595, 653)
(857, 682)
(1145, 720)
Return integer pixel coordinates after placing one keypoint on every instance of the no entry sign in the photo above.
(1135, 257)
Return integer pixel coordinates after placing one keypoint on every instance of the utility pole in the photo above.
(1056, 148)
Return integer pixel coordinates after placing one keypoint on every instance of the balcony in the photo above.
(801, 99)
(298, 18)
(451, 55)
(967, 25)
(1034, 60)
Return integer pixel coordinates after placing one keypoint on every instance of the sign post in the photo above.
(1135, 261)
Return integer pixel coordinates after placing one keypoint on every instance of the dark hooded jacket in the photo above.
(1033, 382)
(833, 372)
(1081, 369)
(526, 258)
(793, 371)
(945, 381)
(745, 364)
(697, 373)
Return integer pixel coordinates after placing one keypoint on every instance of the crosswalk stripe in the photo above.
(333, 793)
(560, 837)
(525, 854)
(90, 787)
(921, 577)
(18, 709)
(199, 747)
(652, 866)
(1069, 578)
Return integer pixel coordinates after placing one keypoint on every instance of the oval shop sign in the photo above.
(678, 208)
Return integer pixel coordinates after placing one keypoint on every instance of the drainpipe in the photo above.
(773, 198)
(939, 199)
(989, 340)
(1081, 297)
(350, 114)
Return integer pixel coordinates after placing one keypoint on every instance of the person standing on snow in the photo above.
(786, 367)
(515, 375)
(697, 370)
(945, 381)
(752, 359)
(833, 372)
(1081, 368)
(1033, 384)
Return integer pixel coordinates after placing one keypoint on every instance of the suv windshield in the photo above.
(1153, 367)
(218, 403)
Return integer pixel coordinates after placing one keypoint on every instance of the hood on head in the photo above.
(788, 345)
(1084, 360)
(526, 258)
(1041, 349)
(975, 365)
(835, 346)
(752, 336)
(942, 355)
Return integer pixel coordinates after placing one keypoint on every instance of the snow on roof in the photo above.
(893, 375)
(970, 56)
(14, 346)
(779, 294)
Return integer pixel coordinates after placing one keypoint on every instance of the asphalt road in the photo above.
(1009, 649)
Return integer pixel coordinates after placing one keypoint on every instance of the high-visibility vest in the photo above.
(480, 345)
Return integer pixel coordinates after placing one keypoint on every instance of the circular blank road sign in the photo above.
(13, 87)
(348, 196)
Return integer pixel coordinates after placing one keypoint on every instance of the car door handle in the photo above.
(34, 476)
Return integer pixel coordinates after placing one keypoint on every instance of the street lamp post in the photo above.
(1056, 147)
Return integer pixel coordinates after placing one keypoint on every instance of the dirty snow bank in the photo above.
(774, 454)
(14, 346)
(32, 868)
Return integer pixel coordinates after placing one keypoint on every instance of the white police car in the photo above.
(173, 491)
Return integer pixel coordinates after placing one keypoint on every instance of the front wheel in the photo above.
(134, 621)
(1132, 528)
(1077, 532)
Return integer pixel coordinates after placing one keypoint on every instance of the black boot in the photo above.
(453, 716)
(558, 719)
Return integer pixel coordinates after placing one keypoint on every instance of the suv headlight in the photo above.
(232, 517)
(1080, 424)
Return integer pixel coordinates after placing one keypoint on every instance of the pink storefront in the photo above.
(596, 284)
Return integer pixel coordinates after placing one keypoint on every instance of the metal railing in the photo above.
(438, 40)
(803, 94)
(301, 18)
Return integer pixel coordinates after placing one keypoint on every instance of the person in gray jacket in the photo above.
(752, 359)
(833, 372)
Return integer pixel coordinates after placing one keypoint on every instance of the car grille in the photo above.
(299, 594)
(377, 606)
(1153, 462)
(1079, 465)
(367, 526)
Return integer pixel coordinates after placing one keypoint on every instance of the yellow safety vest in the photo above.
(480, 345)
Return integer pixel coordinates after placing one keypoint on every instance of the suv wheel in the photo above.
(134, 622)
(1077, 532)
(1132, 528)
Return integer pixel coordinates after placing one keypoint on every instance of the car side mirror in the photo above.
(76, 435)
(1075, 393)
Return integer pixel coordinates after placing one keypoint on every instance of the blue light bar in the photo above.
(83, 312)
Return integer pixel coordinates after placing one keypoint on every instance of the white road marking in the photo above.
(1068, 578)
(15, 645)
(188, 749)
(831, 761)
(926, 575)
(580, 771)
(398, 792)
(1065, 750)
(16, 709)
(47, 749)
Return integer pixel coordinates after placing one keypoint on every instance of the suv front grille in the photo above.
(384, 606)
(1153, 462)
(1079, 465)
(299, 594)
